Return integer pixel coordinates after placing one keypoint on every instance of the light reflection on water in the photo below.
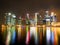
(55, 30)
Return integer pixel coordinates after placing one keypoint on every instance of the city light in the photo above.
(48, 34)
(13, 16)
(19, 28)
(8, 38)
(52, 13)
(28, 15)
(31, 28)
(9, 13)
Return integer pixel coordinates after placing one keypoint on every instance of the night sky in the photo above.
(21, 7)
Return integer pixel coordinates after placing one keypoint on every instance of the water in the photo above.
(53, 36)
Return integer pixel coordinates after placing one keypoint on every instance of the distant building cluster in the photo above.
(37, 19)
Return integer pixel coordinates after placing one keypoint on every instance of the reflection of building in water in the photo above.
(33, 29)
(48, 28)
(27, 29)
(10, 23)
(55, 33)
(33, 32)
(31, 26)
(19, 27)
(49, 23)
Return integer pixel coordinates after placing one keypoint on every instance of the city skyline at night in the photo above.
(21, 7)
(30, 22)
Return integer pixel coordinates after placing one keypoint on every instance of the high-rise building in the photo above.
(48, 28)
(10, 23)
(19, 28)
(53, 17)
(27, 29)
